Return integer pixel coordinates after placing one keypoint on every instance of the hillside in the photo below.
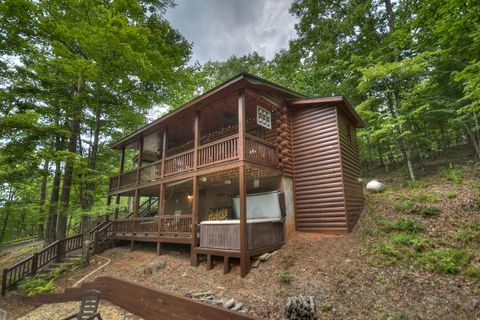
(413, 255)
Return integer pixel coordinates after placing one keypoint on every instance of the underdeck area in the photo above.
(217, 229)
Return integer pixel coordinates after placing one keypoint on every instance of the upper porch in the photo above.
(240, 126)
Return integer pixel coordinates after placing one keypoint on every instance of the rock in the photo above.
(158, 265)
(237, 306)
(229, 303)
(255, 264)
(188, 295)
(474, 304)
(375, 186)
(265, 256)
(202, 294)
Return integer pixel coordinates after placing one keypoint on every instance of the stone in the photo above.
(229, 303)
(265, 256)
(237, 306)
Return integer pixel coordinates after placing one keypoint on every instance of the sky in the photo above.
(222, 28)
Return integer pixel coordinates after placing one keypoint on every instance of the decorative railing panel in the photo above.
(113, 183)
(176, 225)
(222, 150)
(146, 225)
(260, 151)
(128, 178)
(179, 163)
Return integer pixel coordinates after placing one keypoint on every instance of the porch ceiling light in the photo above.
(228, 181)
(203, 179)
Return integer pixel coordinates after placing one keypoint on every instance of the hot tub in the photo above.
(225, 234)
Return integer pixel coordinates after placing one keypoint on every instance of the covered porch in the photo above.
(205, 212)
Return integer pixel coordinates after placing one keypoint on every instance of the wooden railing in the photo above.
(260, 151)
(122, 225)
(218, 151)
(212, 153)
(128, 178)
(179, 163)
(176, 226)
(145, 225)
(30, 265)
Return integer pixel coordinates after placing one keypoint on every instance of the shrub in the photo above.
(429, 212)
(455, 175)
(414, 184)
(451, 195)
(388, 251)
(427, 197)
(33, 285)
(325, 306)
(285, 276)
(403, 206)
(406, 239)
(59, 271)
(405, 224)
(464, 236)
(445, 260)
(473, 272)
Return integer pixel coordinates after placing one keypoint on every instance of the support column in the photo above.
(161, 209)
(196, 139)
(244, 258)
(241, 125)
(164, 152)
(122, 168)
(139, 159)
(136, 205)
(195, 209)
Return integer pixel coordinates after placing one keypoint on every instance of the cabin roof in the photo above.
(237, 82)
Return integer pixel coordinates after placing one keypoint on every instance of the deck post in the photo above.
(164, 152)
(196, 140)
(139, 159)
(122, 168)
(161, 204)
(195, 207)
(244, 259)
(244, 264)
(136, 205)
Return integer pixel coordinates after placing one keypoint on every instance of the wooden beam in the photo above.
(241, 125)
(139, 159)
(244, 259)
(117, 202)
(195, 210)
(196, 140)
(161, 208)
(164, 151)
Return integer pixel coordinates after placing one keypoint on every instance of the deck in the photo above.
(209, 155)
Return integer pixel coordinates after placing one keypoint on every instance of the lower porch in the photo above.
(207, 217)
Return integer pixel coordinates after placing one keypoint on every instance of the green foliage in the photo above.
(473, 272)
(391, 253)
(445, 260)
(451, 195)
(415, 184)
(33, 285)
(429, 212)
(404, 224)
(285, 276)
(408, 239)
(404, 205)
(326, 306)
(454, 175)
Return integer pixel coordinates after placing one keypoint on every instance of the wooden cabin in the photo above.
(233, 172)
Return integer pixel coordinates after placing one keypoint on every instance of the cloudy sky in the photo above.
(222, 28)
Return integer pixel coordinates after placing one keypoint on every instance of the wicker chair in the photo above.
(88, 307)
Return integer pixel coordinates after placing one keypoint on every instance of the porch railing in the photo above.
(30, 265)
(122, 225)
(179, 163)
(145, 225)
(218, 151)
(260, 151)
(176, 226)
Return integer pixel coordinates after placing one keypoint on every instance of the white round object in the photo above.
(375, 185)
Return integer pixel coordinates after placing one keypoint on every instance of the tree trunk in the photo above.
(7, 214)
(68, 171)
(43, 200)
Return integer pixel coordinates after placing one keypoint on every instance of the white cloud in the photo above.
(222, 28)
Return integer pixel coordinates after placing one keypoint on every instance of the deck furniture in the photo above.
(88, 307)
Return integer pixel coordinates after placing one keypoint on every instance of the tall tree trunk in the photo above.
(43, 200)
(68, 171)
(11, 195)
(50, 233)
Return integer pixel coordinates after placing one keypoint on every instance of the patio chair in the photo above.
(88, 307)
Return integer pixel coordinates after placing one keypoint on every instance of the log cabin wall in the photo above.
(351, 170)
(317, 169)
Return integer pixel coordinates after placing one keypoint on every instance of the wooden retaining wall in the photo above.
(148, 303)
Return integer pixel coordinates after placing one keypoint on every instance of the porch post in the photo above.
(164, 151)
(160, 215)
(241, 125)
(244, 259)
(196, 140)
(195, 207)
(139, 159)
(136, 204)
